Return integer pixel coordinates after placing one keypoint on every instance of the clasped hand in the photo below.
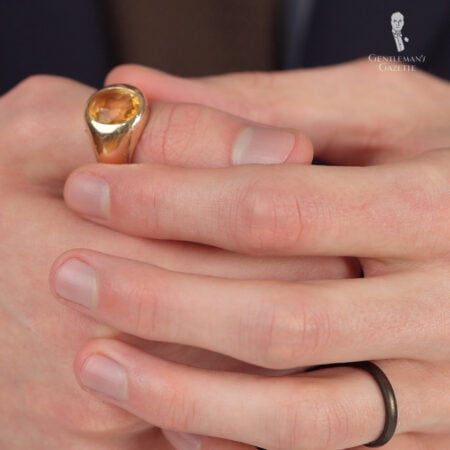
(259, 265)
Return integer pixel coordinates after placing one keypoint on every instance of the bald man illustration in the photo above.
(397, 22)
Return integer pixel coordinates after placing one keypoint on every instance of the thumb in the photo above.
(346, 122)
(280, 99)
(194, 123)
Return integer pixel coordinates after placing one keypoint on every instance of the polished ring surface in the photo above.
(387, 391)
(116, 116)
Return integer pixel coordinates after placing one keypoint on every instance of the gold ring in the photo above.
(116, 116)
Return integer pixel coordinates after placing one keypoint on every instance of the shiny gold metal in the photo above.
(116, 116)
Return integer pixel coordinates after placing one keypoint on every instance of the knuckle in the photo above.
(267, 219)
(294, 337)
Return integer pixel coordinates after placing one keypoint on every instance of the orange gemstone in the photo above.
(114, 106)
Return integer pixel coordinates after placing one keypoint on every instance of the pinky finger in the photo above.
(283, 413)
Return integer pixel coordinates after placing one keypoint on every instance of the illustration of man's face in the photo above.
(397, 21)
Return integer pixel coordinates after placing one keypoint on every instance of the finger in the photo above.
(277, 210)
(249, 100)
(197, 136)
(331, 409)
(280, 325)
(243, 95)
(193, 258)
(44, 116)
(49, 113)
(182, 132)
(345, 129)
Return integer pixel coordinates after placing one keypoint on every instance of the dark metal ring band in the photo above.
(387, 391)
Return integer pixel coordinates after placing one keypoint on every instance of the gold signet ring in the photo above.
(116, 116)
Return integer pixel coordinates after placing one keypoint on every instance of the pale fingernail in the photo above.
(105, 376)
(88, 195)
(262, 145)
(183, 441)
(77, 282)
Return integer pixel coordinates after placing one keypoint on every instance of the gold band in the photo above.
(116, 116)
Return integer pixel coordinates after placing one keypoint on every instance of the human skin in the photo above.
(392, 215)
(44, 139)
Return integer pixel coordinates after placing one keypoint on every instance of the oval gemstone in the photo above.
(114, 106)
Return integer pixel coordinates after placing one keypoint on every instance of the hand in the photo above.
(392, 217)
(353, 113)
(43, 140)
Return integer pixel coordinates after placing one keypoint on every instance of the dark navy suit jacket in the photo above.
(76, 39)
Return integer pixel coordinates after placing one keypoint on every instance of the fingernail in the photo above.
(88, 194)
(262, 145)
(77, 282)
(183, 441)
(105, 376)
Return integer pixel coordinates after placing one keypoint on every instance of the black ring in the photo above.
(387, 391)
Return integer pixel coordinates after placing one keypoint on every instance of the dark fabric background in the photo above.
(347, 29)
(84, 39)
(195, 37)
(52, 36)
